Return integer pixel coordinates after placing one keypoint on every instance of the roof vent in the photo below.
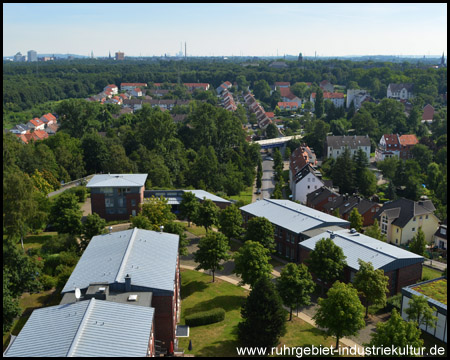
(101, 289)
(352, 231)
(332, 235)
(132, 297)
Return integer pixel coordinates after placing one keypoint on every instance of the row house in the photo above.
(287, 96)
(326, 86)
(224, 86)
(197, 86)
(287, 105)
(394, 145)
(131, 86)
(400, 91)
(228, 101)
(258, 110)
(113, 88)
(336, 145)
(345, 204)
(35, 135)
(338, 99)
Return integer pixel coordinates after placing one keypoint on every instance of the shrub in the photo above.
(48, 282)
(205, 317)
(394, 302)
(50, 264)
(56, 244)
(80, 192)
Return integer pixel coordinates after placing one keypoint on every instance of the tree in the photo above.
(230, 222)
(319, 104)
(260, 229)
(341, 313)
(94, 225)
(396, 332)
(252, 263)
(212, 250)
(11, 308)
(343, 172)
(423, 155)
(327, 261)
(173, 227)
(419, 311)
(418, 244)
(271, 131)
(66, 215)
(264, 319)
(261, 89)
(207, 214)
(356, 219)
(158, 212)
(259, 174)
(188, 206)
(372, 284)
(374, 231)
(141, 222)
(295, 286)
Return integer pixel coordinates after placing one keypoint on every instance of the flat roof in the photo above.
(359, 246)
(411, 290)
(91, 328)
(292, 216)
(117, 180)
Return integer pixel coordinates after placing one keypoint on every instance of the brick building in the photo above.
(135, 262)
(402, 267)
(117, 196)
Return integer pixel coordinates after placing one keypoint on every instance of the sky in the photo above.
(226, 29)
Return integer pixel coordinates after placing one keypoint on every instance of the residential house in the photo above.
(113, 88)
(35, 135)
(320, 197)
(428, 113)
(48, 119)
(357, 96)
(326, 86)
(287, 96)
(435, 298)
(36, 124)
(270, 115)
(345, 204)
(400, 266)
(138, 262)
(117, 196)
(400, 91)
(400, 220)
(394, 145)
(306, 180)
(197, 86)
(19, 129)
(288, 105)
(337, 144)
(293, 223)
(224, 86)
(93, 328)
(336, 98)
(136, 92)
(131, 86)
(407, 142)
(440, 237)
(51, 129)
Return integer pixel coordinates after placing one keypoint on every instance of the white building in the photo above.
(400, 91)
(338, 99)
(304, 182)
(358, 96)
(337, 144)
(32, 55)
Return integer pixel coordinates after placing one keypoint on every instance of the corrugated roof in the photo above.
(87, 328)
(200, 194)
(117, 180)
(292, 216)
(149, 257)
(358, 246)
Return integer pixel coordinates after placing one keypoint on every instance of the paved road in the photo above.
(435, 264)
(69, 185)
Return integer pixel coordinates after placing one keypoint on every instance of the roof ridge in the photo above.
(289, 208)
(126, 255)
(80, 329)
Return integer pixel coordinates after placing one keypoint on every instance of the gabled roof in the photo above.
(48, 117)
(117, 180)
(403, 210)
(91, 328)
(36, 122)
(399, 87)
(408, 140)
(287, 93)
(428, 112)
(149, 257)
(287, 103)
(317, 196)
(358, 246)
(292, 216)
(353, 142)
(282, 83)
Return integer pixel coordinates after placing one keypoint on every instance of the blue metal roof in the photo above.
(117, 180)
(358, 246)
(201, 194)
(92, 328)
(149, 257)
(292, 216)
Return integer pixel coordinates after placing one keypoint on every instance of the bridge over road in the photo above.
(276, 142)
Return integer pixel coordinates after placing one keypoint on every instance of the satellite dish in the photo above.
(77, 293)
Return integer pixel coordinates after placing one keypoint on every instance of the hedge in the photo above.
(205, 317)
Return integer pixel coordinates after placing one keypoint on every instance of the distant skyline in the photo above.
(238, 29)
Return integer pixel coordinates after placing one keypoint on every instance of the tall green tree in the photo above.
(230, 222)
(418, 244)
(66, 215)
(264, 319)
(419, 311)
(295, 285)
(11, 308)
(94, 225)
(158, 212)
(343, 172)
(252, 263)
(372, 284)
(327, 261)
(341, 313)
(319, 107)
(260, 229)
(212, 250)
(374, 231)
(188, 206)
(397, 333)
(356, 219)
(207, 214)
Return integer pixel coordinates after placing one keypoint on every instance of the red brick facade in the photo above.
(98, 205)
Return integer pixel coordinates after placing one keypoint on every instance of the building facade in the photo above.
(337, 144)
(32, 56)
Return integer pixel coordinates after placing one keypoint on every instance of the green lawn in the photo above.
(429, 273)
(36, 241)
(245, 196)
(194, 229)
(198, 293)
(436, 290)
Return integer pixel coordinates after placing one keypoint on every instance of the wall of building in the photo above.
(429, 227)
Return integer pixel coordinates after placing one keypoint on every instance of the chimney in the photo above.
(127, 283)
(332, 235)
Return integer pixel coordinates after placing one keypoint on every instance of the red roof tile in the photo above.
(408, 140)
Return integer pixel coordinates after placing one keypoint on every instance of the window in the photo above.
(413, 229)
(120, 202)
(309, 179)
(133, 202)
(426, 217)
(109, 202)
(107, 190)
(443, 231)
(288, 251)
(420, 218)
(309, 186)
(396, 241)
(314, 180)
(414, 218)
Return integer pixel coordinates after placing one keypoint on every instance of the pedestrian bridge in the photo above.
(277, 142)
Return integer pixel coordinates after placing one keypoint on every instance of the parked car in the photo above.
(269, 158)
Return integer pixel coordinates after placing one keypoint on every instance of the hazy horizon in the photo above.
(236, 29)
